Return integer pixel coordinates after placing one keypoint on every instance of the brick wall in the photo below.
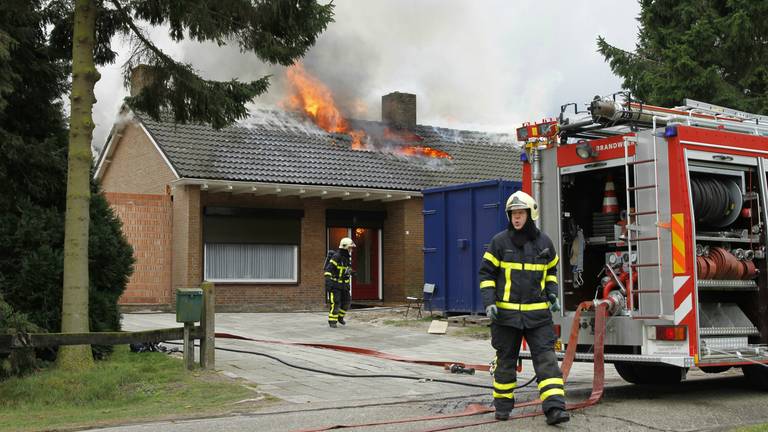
(403, 256)
(187, 237)
(147, 227)
(135, 165)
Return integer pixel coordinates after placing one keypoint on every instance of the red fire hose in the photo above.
(722, 264)
(363, 351)
(598, 380)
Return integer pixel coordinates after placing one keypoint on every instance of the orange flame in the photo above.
(425, 151)
(315, 99)
(309, 95)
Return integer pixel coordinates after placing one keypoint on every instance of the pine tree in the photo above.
(277, 31)
(33, 163)
(714, 51)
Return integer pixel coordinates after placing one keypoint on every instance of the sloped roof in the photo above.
(278, 147)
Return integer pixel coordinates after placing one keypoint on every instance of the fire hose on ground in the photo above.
(598, 380)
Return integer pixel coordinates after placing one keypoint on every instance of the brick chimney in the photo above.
(141, 76)
(399, 110)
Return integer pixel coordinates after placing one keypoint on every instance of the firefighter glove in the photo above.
(554, 303)
(492, 312)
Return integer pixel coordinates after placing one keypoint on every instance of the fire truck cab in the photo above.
(662, 213)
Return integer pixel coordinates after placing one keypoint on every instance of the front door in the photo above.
(365, 259)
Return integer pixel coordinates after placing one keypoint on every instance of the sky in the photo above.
(486, 65)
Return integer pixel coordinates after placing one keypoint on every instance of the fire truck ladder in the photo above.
(759, 122)
(637, 233)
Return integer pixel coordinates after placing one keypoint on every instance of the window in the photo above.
(235, 262)
(251, 245)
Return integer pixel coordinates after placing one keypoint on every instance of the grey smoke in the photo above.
(485, 65)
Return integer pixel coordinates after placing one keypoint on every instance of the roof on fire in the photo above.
(280, 147)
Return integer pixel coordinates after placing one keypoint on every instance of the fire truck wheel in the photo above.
(756, 375)
(638, 373)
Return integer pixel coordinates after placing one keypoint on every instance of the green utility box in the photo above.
(189, 304)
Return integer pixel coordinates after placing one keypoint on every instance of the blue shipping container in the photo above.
(459, 222)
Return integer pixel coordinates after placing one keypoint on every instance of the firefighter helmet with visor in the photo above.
(522, 201)
(346, 243)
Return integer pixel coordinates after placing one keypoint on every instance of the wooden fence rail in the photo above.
(188, 333)
(41, 340)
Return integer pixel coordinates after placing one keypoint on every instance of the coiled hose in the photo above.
(712, 202)
(720, 263)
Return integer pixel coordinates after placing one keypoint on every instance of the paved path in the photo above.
(311, 399)
(302, 387)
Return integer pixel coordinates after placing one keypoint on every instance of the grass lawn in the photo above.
(753, 428)
(126, 388)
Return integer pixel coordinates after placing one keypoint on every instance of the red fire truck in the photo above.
(661, 213)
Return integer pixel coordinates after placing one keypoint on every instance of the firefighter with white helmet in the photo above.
(518, 282)
(338, 274)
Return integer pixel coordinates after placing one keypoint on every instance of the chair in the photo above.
(419, 302)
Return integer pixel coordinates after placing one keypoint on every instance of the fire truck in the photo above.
(661, 213)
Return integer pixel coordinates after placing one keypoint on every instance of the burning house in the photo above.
(254, 207)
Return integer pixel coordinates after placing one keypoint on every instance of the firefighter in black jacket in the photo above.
(337, 276)
(518, 283)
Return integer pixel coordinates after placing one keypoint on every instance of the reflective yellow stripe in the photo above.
(508, 386)
(492, 259)
(507, 284)
(551, 278)
(328, 274)
(553, 392)
(488, 284)
(553, 262)
(522, 307)
(522, 266)
(550, 381)
(504, 395)
(334, 263)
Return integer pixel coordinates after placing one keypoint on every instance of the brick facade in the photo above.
(136, 166)
(166, 233)
(147, 227)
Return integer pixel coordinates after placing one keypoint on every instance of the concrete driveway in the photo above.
(306, 391)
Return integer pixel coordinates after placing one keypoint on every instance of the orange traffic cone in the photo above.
(610, 203)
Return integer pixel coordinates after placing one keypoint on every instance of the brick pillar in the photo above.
(403, 254)
(414, 246)
(312, 249)
(187, 237)
(393, 248)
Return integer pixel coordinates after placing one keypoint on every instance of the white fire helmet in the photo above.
(346, 243)
(521, 201)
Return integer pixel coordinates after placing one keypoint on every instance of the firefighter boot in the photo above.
(332, 324)
(503, 408)
(556, 416)
(341, 321)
